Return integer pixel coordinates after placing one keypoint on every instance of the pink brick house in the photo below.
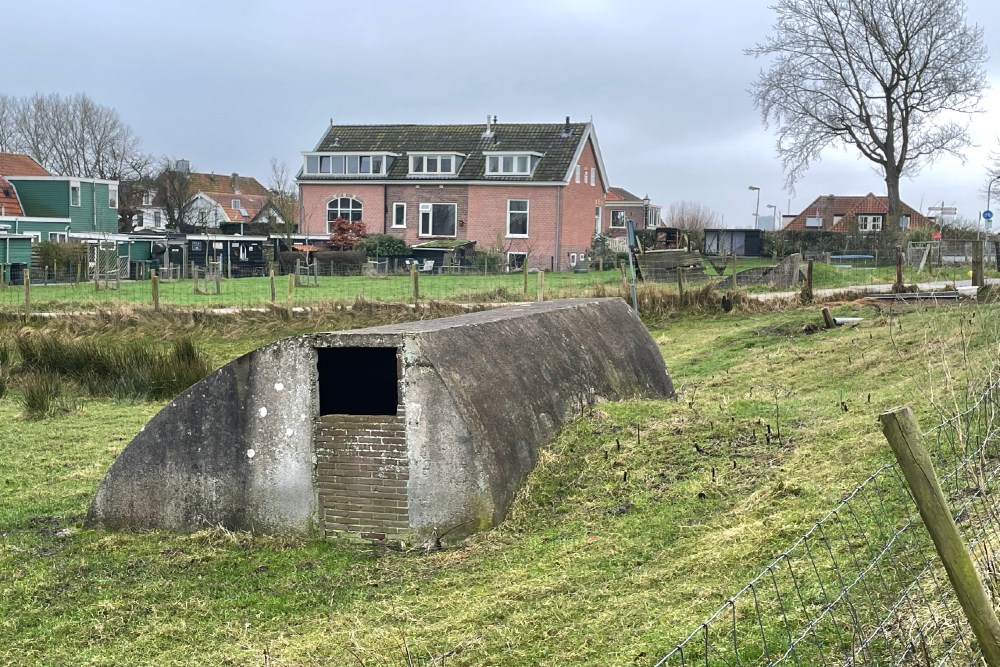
(534, 192)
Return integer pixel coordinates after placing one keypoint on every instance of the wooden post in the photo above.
(298, 267)
(79, 269)
(97, 271)
(828, 319)
(415, 279)
(27, 291)
(807, 294)
(155, 281)
(291, 287)
(272, 285)
(923, 260)
(540, 288)
(977, 264)
(897, 286)
(903, 433)
(218, 282)
(524, 268)
(680, 284)
(734, 270)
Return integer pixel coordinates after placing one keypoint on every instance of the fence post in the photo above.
(415, 279)
(218, 282)
(79, 270)
(291, 288)
(155, 281)
(540, 295)
(897, 286)
(903, 433)
(27, 291)
(298, 267)
(807, 290)
(524, 268)
(680, 284)
(734, 270)
(977, 264)
(272, 285)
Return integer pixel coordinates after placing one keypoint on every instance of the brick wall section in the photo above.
(580, 201)
(316, 196)
(362, 471)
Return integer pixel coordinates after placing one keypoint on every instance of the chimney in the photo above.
(234, 180)
(488, 134)
(183, 166)
(567, 130)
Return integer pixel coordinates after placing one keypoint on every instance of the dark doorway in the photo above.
(357, 380)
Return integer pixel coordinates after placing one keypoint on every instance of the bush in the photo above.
(62, 257)
(40, 395)
(384, 245)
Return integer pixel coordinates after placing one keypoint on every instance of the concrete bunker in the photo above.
(399, 433)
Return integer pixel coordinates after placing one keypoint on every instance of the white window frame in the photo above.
(74, 186)
(578, 168)
(395, 207)
(236, 204)
(360, 209)
(157, 218)
(428, 208)
(496, 163)
(58, 237)
(593, 176)
(905, 220)
(147, 197)
(870, 222)
(421, 158)
(814, 221)
(572, 259)
(527, 218)
(621, 217)
(112, 195)
(345, 160)
(524, 261)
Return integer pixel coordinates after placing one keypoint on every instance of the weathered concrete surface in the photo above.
(482, 393)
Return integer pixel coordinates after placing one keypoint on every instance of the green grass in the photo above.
(592, 566)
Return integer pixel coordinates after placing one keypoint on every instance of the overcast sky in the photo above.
(229, 85)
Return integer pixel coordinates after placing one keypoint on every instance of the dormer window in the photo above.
(511, 164)
(435, 164)
(347, 164)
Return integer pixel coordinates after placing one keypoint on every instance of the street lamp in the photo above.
(774, 216)
(645, 211)
(756, 210)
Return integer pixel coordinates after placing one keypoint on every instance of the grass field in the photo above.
(591, 567)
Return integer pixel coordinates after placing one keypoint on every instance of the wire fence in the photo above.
(864, 585)
(216, 286)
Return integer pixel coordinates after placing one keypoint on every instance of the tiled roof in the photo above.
(621, 194)
(550, 139)
(8, 199)
(839, 212)
(249, 203)
(18, 164)
(223, 183)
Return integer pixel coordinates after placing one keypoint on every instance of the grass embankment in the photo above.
(641, 518)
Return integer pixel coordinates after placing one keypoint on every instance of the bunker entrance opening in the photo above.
(357, 380)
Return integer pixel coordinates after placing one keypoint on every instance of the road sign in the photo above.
(943, 210)
(987, 215)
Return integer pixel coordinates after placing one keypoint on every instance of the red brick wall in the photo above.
(362, 469)
(315, 197)
(415, 194)
(578, 209)
(487, 223)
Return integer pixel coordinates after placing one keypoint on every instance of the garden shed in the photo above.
(400, 433)
(15, 255)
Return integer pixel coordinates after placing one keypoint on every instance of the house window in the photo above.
(814, 221)
(156, 218)
(399, 214)
(572, 259)
(597, 219)
(344, 207)
(438, 219)
(904, 221)
(339, 165)
(577, 173)
(236, 204)
(147, 197)
(617, 218)
(585, 181)
(511, 164)
(593, 176)
(426, 165)
(516, 260)
(139, 218)
(74, 193)
(517, 217)
(58, 237)
(113, 196)
(869, 223)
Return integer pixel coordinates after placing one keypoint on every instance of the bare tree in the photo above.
(173, 192)
(72, 136)
(885, 77)
(691, 216)
(283, 197)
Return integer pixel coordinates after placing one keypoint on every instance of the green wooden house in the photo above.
(15, 254)
(55, 206)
